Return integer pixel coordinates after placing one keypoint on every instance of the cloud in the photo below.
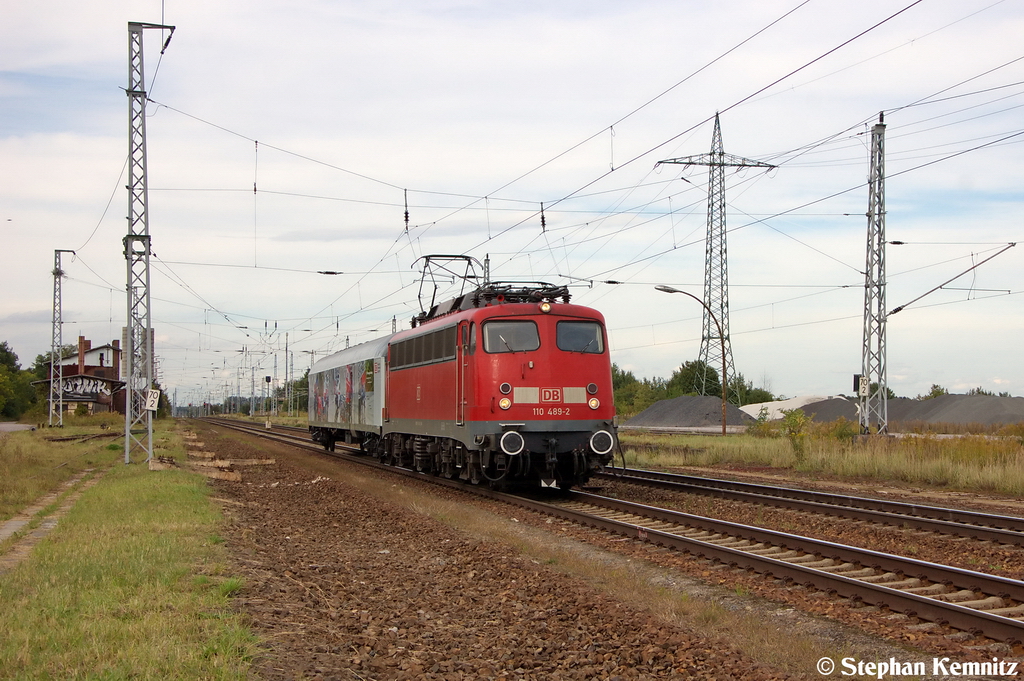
(28, 317)
(334, 110)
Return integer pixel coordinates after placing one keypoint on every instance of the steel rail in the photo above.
(972, 524)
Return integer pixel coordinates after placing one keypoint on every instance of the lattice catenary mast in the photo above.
(57, 347)
(138, 337)
(872, 388)
(716, 269)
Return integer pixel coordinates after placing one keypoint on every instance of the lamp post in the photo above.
(669, 289)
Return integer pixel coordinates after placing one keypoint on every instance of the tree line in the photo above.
(17, 394)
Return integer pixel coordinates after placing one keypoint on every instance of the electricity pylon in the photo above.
(715, 343)
(873, 390)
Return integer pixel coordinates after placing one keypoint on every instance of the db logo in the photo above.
(550, 394)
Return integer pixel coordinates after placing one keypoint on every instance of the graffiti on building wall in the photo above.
(85, 389)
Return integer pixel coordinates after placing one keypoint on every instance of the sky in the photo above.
(287, 138)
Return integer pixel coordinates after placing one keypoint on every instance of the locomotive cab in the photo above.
(542, 382)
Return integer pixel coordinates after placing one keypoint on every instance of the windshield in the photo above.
(580, 337)
(518, 336)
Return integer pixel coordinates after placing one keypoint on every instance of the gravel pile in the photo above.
(689, 411)
(963, 409)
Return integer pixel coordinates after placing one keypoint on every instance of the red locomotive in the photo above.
(508, 383)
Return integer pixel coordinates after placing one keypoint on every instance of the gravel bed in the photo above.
(344, 586)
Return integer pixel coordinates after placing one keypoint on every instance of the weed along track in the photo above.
(906, 598)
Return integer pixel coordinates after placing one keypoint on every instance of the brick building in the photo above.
(93, 378)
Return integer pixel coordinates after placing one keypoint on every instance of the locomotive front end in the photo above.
(545, 408)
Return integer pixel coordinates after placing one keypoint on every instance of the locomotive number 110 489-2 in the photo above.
(551, 411)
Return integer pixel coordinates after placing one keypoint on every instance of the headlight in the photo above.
(545, 307)
(504, 403)
(602, 442)
(594, 403)
(512, 443)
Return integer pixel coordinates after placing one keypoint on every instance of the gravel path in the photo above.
(344, 586)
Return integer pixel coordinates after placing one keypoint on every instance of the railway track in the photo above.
(971, 601)
(970, 524)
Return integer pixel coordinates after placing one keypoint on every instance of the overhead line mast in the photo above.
(138, 337)
(714, 342)
(872, 389)
(57, 346)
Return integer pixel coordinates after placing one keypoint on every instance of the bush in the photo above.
(763, 426)
(794, 424)
(841, 429)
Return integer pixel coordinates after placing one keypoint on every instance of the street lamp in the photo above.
(669, 289)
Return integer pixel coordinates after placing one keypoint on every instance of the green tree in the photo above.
(622, 379)
(684, 380)
(740, 387)
(6, 387)
(889, 394)
(625, 387)
(17, 394)
(41, 366)
(8, 358)
(935, 391)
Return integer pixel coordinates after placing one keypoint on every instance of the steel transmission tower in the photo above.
(57, 347)
(716, 266)
(138, 346)
(873, 389)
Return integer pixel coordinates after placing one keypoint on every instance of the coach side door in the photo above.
(462, 365)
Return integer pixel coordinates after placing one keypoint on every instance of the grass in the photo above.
(130, 584)
(969, 463)
(30, 466)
